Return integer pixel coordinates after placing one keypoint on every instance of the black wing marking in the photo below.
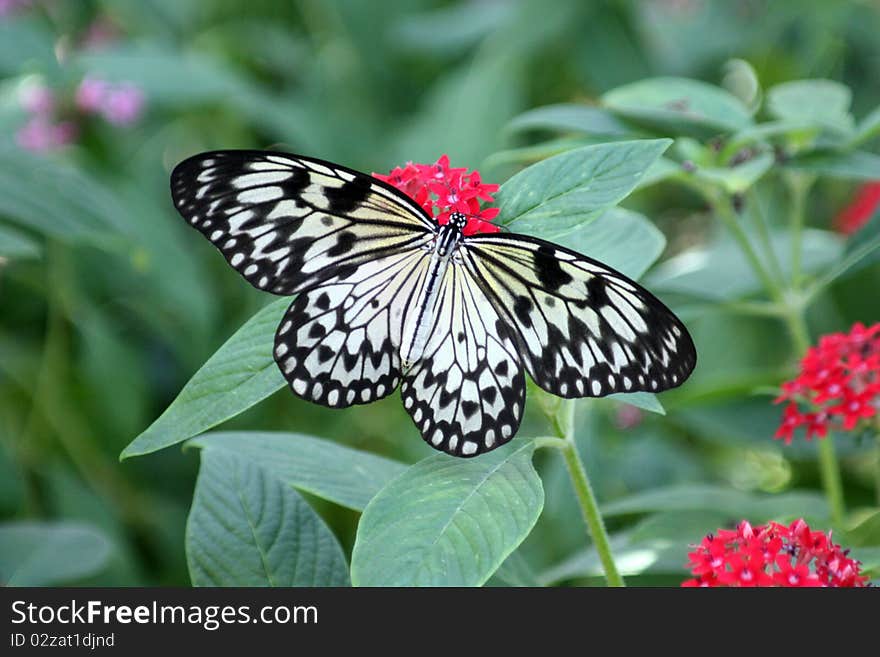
(287, 222)
(467, 393)
(339, 343)
(584, 329)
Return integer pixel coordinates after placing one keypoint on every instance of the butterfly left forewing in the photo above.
(339, 342)
(584, 329)
(466, 394)
(286, 222)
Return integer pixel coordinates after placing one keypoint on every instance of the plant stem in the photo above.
(725, 212)
(877, 467)
(799, 185)
(829, 468)
(564, 425)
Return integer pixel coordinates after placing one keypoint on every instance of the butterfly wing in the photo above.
(467, 393)
(287, 222)
(339, 342)
(583, 329)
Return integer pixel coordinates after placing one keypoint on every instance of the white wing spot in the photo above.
(597, 387)
(469, 447)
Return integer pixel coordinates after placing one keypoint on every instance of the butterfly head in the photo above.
(458, 220)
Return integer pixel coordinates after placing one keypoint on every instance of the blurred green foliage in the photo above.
(109, 303)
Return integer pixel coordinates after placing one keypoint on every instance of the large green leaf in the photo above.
(854, 165)
(862, 250)
(50, 553)
(248, 527)
(240, 374)
(823, 102)
(568, 117)
(56, 199)
(449, 522)
(657, 544)
(16, 245)
(719, 270)
(679, 105)
(331, 471)
(622, 239)
(735, 503)
(556, 195)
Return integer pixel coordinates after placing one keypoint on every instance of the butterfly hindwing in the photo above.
(287, 222)
(338, 344)
(583, 329)
(466, 394)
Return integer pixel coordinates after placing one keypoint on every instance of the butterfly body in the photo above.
(418, 326)
(385, 297)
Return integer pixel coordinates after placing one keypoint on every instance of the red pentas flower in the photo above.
(860, 210)
(838, 385)
(772, 555)
(442, 190)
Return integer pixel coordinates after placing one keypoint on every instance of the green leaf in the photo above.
(26, 41)
(719, 270)
(737, 179)
(735, 503)
(855, 165)
(50, 553)
(515, 571)
(569, 117)
(346, 476)
(448, 521)
(647, 401)
(16, 245)
(558, 194)
(56, 199)
(741, 80)
(868, 128)
(622, 239)
(862, 250)
(239, 374)
(865, 532)
(657, 544)
(679, 106)
(768, 132)
(823, 102)
(248, 527)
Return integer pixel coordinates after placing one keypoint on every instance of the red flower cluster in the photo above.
(839, 380)
(772, 555)
(441, 190)
(860, 210)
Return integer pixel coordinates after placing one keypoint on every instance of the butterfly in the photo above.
(384, 296)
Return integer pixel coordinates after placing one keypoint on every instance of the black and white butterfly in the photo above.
(385, 297)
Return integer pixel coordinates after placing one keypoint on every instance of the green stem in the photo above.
(798, 185)
(756, 208)
(830, 473)
(563, 422)
(877, 467)
(725, 212)
(829, 469)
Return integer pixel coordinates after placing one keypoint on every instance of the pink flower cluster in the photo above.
(119, 104)
(772, 555)
(441, 190)
(839, 381)
(7, 7)
(52, 124)
(43, 131)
